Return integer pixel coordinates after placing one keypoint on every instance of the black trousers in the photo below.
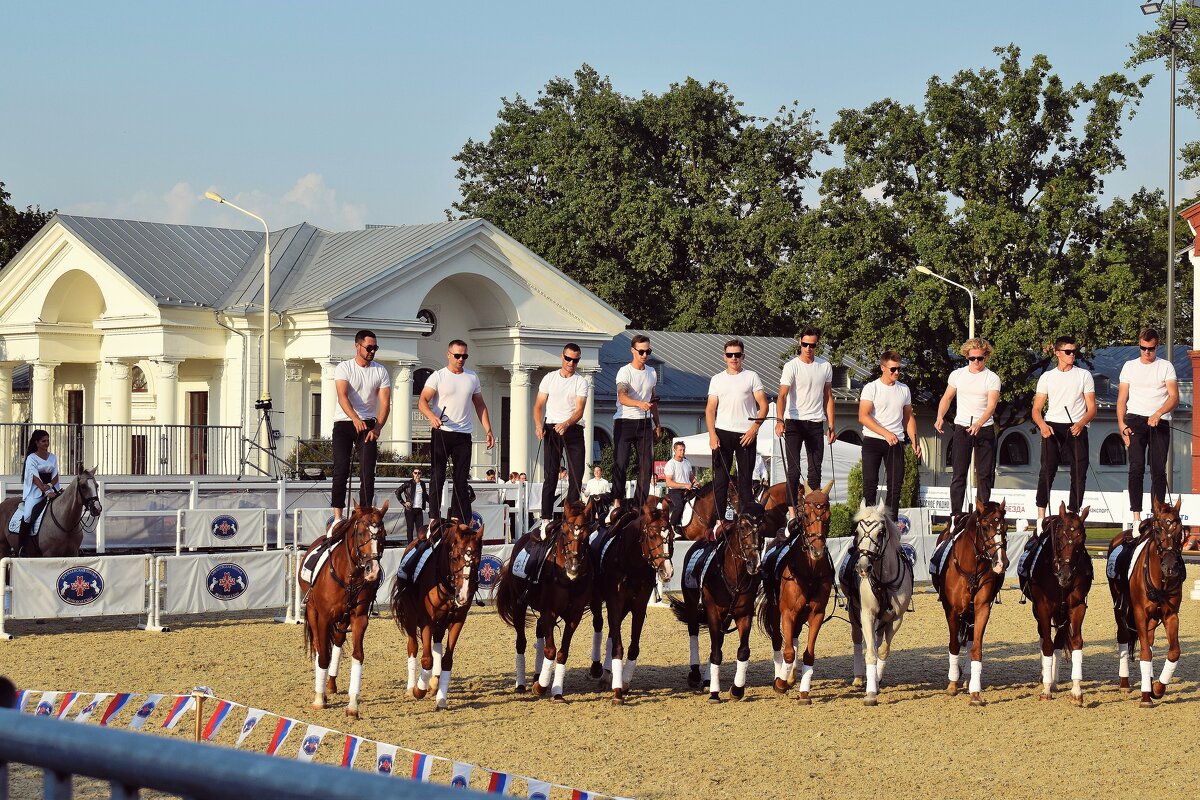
(677, 501)
(450, 446)
(1158, 441)
(874, 453)
(414, 518)
(1076, 448)
(797, 432)
(554, 446)
(638, 434)
(962, 446)
(344, 439)
(729, 451)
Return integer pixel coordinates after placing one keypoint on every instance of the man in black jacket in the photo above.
(414, 494)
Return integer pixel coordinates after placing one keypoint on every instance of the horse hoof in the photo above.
(596, 671)
(1045, 696)
(1077, 700)
(714, 697)
(693, 681)
(1125, 684)
(352, 713)
(442, 705)
(433, 683)
(1158, 690)
(558, 698)
(419, 693)
(520, 688)
(858, 682)
(805, 699)
(952, 688)
(779, 685)
(870, 700)
(737, 692)
(538, 689)
(977, 699)
(617, 699)
(318, 706)
(1146, 701)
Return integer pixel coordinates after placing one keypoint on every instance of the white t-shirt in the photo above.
(971, 391)
(1147, 385)
(1064, 391)
(363, 392)
(888, 406)
(641, 387)
(760, 469)
(452, 398)
(679, 471)
(806, 388)
(735, 399)
(35, 466)
(561, 395)
(597, 486)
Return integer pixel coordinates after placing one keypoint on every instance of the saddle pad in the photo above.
(938, 562)
(14, 522)
(316, 559)
(775, 557)
(1137, 551)
(697, 562)
(1029, 557)
(527, 562)
(688, 508)
(843, 570)
(419, 554)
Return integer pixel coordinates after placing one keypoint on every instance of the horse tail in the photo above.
(768, 615)
(401, 605)
(679, 607)
(506, 595)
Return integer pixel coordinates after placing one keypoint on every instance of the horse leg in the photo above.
(635, 636)
(785, 660)
(335, 659)
(1076, 613)
(443, 688)
(522, 642)
(560, 667)
(546, 653)
(860, 662)
(597, 672)
(738, 690)
(1171, 624)
(422, 687)
(616, 616)
(358, 631)
(691, 603)
(1046, 637)
(1145, 628)
(412, 664)
(716, 637)
(983, 610)
(866, 622)
(436, 672)
(322, 648)
(955, 672)
(816, 616)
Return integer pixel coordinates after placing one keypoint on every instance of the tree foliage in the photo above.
(1154, 47)
(16, 226)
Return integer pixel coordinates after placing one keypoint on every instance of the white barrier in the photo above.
(206, 583)
(57, 588)
(225, 528)
(1022, 503)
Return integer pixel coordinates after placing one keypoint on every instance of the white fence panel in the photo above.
(227, 528)
(203, 583)
(56, 588)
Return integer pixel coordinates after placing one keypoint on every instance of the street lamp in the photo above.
(970, 294)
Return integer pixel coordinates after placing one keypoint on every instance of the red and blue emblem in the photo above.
(459, 781)
(44, 709)
(383, 765)
(79, 586)
(227, 581)
(224, 527)
(903, 524)
(908, 552)
(310, 744)
(476, 521)
(489, 571)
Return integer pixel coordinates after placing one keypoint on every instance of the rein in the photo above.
(1165, 593)
(982, 559)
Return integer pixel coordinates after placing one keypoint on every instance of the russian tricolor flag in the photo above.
(116, 705)
(499, 783)
(22, 698)
(183, 704)
(579, 794)
(281, 731)
(216, 720)
(350, 750)
(422, 764)
(65, 706)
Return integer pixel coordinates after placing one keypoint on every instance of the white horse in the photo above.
(879, 590)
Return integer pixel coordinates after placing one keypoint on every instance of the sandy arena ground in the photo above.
(668, 741)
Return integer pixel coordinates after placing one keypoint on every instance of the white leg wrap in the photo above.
(423, 680)
(790, 669)
(437, 659)
(1147, 674)
(335, 658)
(1076, 665)
(540, 653)
(443, 691)
(872, 680)
(879, 662)
(412, 672)
(560, 677)
(617, 674)
(806, 673)
(627, 672)
(1122, 661)
(976, 677)
(1047, 671)
(1054, 669)
(739, 676)
(596, 645)
(714, 677)
(321, 676)
(955, 671)
(355, 678)
(520, 669)
(777, 657)
(546, 671)
(1168, 670)
(694, 650)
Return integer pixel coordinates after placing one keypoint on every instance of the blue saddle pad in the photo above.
(937, 563)
(697, 562)
(1117, 567)
(414, 561)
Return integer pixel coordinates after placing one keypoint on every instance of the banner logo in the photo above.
(44, 709)
(384, 765)
(227, 581)
(903, 524)
(224, 527)
(310, 745)
(146, 710)
(476, 521)
(908, 552)
(489, 571)
(79, 586)
(458, 782)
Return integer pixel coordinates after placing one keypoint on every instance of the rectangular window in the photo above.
(315, 427)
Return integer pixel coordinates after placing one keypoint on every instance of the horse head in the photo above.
(1167, 529)
(991, 533)
(572, 540)
(464, 548)
(746, 535)
(1067, 539)
(814, 519)
(89, 491)
(364, 538)
(871, 533)
(657, 541)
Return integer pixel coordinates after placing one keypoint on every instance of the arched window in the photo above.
(419, 378)
(138, 381)
(1112, 452)
(850, 436)
(1014, 450)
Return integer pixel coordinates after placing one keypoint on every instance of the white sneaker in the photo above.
(542, 528)
(329, 530)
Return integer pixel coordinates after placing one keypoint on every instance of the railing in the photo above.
(129, 449)
(132, 761)
(314, 457)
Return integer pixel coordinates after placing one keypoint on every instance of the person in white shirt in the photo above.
(1148, 393)
(680, 479)
(737, 406)
(885, 412)
(1068, 395)
(40, 484)
(636, 421)
(364, 400)
(597, 484)
(974, 430)
(803, 409)
(447, 401)
(557, 414)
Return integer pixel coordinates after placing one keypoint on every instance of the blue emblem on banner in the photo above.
(384, 765)
(79, 586)
(43, 709)
(538, 796)
(489, 571)
(458, 782)
(903, 524)
(908, 552)
(227, 581)
(310, 745)
(224, 527)
(476, 521)
(146, 710)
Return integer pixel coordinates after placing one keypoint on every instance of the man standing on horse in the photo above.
(974, 434)
(1067, 393)
(680, 479)
(637, 408)
(364, 400)
(1148, 392)
(737, 406)
(40, 486)
(557, 415)
(446, 402)
(805, 404)
(885, 411)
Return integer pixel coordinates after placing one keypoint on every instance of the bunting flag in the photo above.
(45, 706)
(579, 794)
(499, 783)
(253, 715)
(350, 750)
(421, 766)
(183, 704)
(461, 779)
(91, 707)
(143, 713)
(22, 698)
(281, 731)
(65, 706)
(118, 702)
(538, 790)
(385, 758)
(310, 743)
(216, 720)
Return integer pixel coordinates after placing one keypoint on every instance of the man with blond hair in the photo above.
(977, 389)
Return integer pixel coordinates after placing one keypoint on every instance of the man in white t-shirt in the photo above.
(803, 410)
(557, 414)
(974, 431)
(597, 484)
(885, 412)
(1068, 395)
(635, 424)
(1148, 393)
(447, 401)
(364, 400)
(737, 406)
(680, 479)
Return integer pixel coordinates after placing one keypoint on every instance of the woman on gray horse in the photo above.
(41, 485)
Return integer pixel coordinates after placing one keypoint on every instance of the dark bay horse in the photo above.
(776, 502)
(1151, 594)
(797, 581)
(640, 550)
(436, 603)
(727, 591)
(563, 591)
(1058, 587)
(339, 600)
(969, 583)
(61, 533)
(702, 502)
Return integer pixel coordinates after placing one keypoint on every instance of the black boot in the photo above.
(25, 540)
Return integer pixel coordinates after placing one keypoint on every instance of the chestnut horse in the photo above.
(727, 590)
(1058, 587)
(776, 503)
(801, 591)
(702, 501)
(436, 603)
(1151, 595)
(969, 584)
(339, 599)
(61, 532)
(563, 591)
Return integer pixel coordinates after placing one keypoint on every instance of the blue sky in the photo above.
(349, 113)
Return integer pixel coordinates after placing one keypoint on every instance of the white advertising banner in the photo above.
(44, 588)
(310, 523)
(1107, 506)
(493, 559)
(197, 584)
(230, 528)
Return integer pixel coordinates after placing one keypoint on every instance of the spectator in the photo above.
(597, 484)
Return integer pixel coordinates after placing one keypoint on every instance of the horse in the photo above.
(1058, 587)
(436, 603)
(637, 549)
(878, 593)
(564, 590)
(969, 585)
(61, 533)
(339, 598)
(1151, 595)
(797, 581)
(702, 502)
(776, 503)
(726, 589)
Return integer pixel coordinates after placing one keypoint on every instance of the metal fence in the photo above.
(154, 450)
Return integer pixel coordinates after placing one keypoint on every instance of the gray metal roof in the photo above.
(291, 250)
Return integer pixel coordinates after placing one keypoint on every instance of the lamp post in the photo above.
(970, 294)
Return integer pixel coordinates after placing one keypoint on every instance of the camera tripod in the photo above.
(252, 451)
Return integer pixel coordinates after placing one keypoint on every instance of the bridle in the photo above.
(989, 548)
(745, 554)
(876, 532)
(816, 523)
(360, 561)
(91, 506)
(571, 545)
(1165, 539)
(1065, 527)
(656, 556)
(451, 580)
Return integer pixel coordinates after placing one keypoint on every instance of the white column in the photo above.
(589, 421)
(292, 423)
(42, 392)
(519, 420)
(401, 419)
(328, 396)
(6, 373)
(120, 392)
(166, 391)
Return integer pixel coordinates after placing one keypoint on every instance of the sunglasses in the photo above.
(370, 348)
(808, 345)
(1067, 352)
(893, 370)
(734, 355)
(459, 356)
(976, 358)
(1147, 349)
(645, 352)
(570, 360)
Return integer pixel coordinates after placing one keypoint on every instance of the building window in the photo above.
(315, 424)
(1014, 450)
(419, 378)
(138, 380)
(1112, 452)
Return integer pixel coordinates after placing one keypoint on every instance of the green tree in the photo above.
(1154, 48)
(16, 226)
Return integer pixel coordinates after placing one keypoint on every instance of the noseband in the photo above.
(1164, 528)
(655, 560)
(360, 561)
(816, 525)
